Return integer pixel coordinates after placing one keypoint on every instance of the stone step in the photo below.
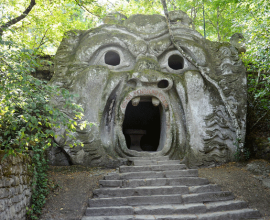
(225, 205)
(162, 199)
(109, 211)
(205, 188)
(136, 200)
(173, 209)
(147, 210)
(126, 169)
(224, 215)
(153, 190)
(140, 191)
(170, 209)
(152, 174)
(141, 217)
(153, 162)
(232, 215)
(162, 190)
(158, 158)
(110, 183)
(208, 197)
(185, 181)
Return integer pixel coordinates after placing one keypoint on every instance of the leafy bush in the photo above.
(27, 117)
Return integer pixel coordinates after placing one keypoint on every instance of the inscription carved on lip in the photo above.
(144, 92)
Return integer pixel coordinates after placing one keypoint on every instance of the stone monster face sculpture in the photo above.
(145, 98)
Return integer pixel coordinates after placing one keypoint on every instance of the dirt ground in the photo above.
(245, 185)
(73, 185)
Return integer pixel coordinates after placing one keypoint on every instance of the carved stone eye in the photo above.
(176, 62)
(112, 58)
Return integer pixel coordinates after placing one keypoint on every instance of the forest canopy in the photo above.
(47, 21)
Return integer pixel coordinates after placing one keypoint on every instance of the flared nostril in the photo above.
(132, 83)
(163, 84)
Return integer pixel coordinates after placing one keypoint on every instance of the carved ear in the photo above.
(114, 18)
(66, 51)
(238, 41)
(180, 16)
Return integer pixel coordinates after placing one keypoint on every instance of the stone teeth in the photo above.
(155, 101)
(136, 101)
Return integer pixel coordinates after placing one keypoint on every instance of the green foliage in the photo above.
(256, 20)
(27, 117)
(138, 7)
(241, 154)
(218, 16)
(40, 183)
(44, 27)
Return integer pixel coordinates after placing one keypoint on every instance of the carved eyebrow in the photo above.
(103, 29)
(159, 46)
(91, 43)
(193, 48)
(88, 48)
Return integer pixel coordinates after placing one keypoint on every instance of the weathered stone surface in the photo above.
(121, 192)
(124, 169)
(238, 41)
(57, 157)
(15, 187)
(146, 98)
(114, 18)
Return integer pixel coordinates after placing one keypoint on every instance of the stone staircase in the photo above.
(159, 188)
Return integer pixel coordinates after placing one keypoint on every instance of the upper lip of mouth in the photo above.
(145, 92)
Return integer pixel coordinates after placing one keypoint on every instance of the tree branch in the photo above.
(17, 19)
(221, 10)
(257, 82)
(210, 21)
(174, 6)
(41, 42)
(84, 8)
(6, 63)
(112, 4)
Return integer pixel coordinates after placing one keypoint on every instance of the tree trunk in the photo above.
(17, 19)
(218, 31)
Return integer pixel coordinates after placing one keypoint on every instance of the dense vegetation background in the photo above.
(30, 30)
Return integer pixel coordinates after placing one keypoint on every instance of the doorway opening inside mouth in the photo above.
(142, 125)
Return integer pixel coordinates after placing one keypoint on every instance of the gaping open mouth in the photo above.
(143, 124)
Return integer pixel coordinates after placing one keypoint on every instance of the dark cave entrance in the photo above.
(142, 125)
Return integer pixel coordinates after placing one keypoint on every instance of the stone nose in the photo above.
(146, 63)
(161, 83)
(147, 74)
